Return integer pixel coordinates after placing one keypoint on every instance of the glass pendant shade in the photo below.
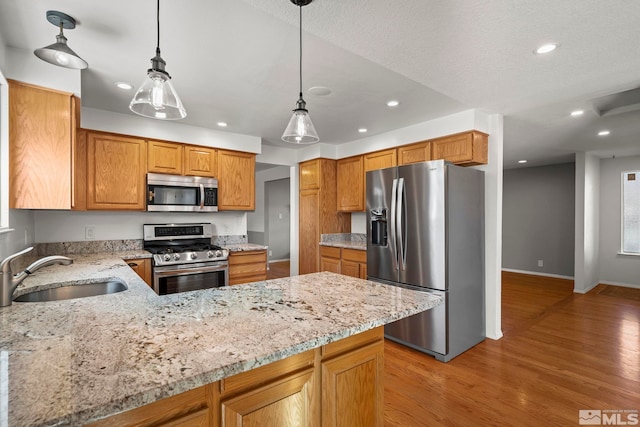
(300, 129)
(157, 98)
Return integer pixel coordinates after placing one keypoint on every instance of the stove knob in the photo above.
(210, 254)
(218, 254)
(166, 257)
(176, 257)
(194, 255)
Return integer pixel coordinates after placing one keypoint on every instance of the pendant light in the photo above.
(59, 53)
(300, 129)
(157, 98)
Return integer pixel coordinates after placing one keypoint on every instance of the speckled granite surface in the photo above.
(356, 241)
(69, 362)
(87, 247)
(242, 247)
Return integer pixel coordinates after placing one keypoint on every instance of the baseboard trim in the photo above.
(624, 285)
(278, 260)
(536, 273)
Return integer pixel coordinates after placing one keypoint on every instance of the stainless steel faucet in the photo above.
(11, 281)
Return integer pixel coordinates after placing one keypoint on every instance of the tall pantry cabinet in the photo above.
(318, 211)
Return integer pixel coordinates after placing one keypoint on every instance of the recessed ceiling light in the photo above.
(362, 130)
(124, 86)
(393, 103)
(546, 48)
(577, 113)
(222, 124)
(522, 161)
(603, 133)
(319, 91)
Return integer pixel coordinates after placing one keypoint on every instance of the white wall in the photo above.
(615, 268)
(24, 66)
(64, 226)
(587, 234)
(256, 219)
(108, 121)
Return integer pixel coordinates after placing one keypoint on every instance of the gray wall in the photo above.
(614, 268)
(538, 219)
(277, 217)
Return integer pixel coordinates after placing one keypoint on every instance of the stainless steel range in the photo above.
(184, 258)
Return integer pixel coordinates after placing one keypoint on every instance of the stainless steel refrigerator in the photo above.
(425, 231)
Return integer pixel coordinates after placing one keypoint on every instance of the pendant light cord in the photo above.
(158, 28)
(300, 50)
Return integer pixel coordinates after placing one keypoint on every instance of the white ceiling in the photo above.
(237, 61)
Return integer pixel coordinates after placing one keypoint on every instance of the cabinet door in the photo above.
(286, 402)
(350, 179)
(41, 128)
(414, 153)
(164, 157)
(200, 161)
(142, 267)
(468, 148)
(309, 231)
(350, 268)
(116, 168)
(236, 181)
(330, 259)
(247, 266)
(380, 160)
(310, 175)
(352, 388)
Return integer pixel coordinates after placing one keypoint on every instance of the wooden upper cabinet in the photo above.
(200, 161)
(350, 187)
(116, 172)
(236, 180)
(164, 157)
(380, 160)
(42, 126)
(310, 175)
(467, 148)
(414, 153)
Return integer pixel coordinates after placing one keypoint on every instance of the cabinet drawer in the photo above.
(330, 252)
(354, 255)
(251, 257)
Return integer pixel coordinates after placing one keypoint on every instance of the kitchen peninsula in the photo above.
(77, 361)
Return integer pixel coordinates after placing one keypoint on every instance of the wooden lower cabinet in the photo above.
(247, 266)
(330, 259)
(142, 267)
(339, 384)
(350, 262)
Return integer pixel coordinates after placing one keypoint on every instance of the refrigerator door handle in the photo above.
(401, 220)
(394, 248)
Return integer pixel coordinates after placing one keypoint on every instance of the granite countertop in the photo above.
(355, 241)
(71, 362)
(242, 247)
(347, 244)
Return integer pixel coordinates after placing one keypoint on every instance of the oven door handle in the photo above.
(187, 271)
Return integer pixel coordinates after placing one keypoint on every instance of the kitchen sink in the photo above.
(73, 291)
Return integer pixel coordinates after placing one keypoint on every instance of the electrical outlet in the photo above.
(270, 253)
(540, 263)
(90, 232)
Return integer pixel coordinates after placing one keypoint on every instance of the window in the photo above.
(631, 212)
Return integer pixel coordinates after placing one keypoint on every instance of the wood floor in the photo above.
(278, 269)
(561, 353)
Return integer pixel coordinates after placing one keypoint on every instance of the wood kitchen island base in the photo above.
(338, 384)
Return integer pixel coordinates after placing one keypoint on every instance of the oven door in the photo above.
(172, 279)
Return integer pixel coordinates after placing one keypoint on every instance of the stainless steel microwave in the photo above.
(174, 193)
